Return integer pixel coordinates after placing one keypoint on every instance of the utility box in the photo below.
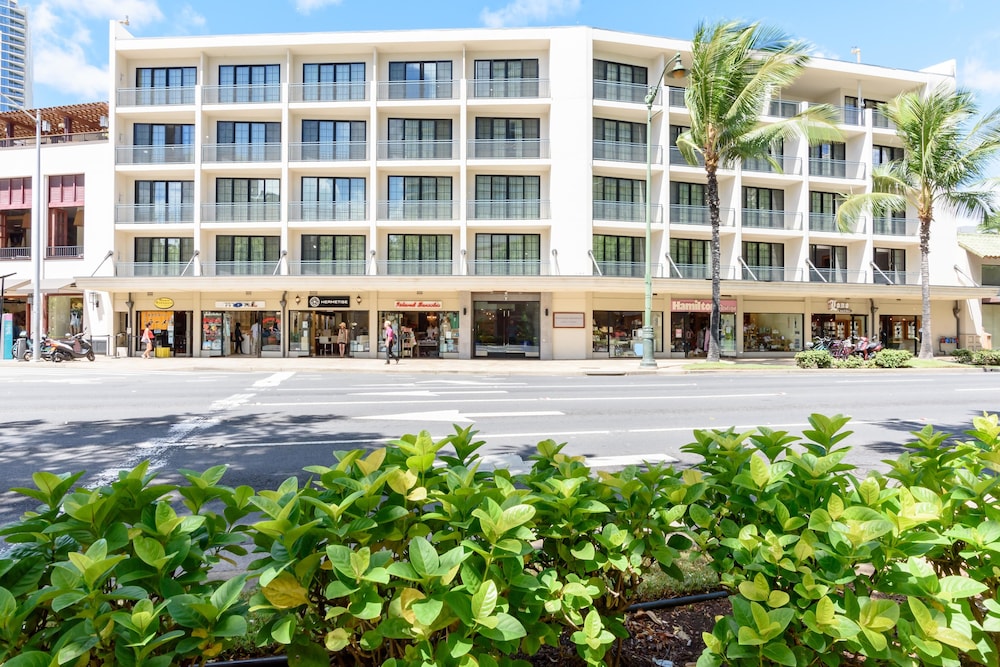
(20, 348)
(163, 352)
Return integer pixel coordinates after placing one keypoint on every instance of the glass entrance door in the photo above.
(506, 329)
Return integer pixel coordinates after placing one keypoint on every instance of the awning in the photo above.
(986, 246)
(46, 284)
(9, 287)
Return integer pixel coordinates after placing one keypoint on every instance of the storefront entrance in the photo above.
(254, 333)
(424, 333)
(618, 333)
(507, 328)
(900, 332)
(689, 324)
(171, 332)
(316, 333)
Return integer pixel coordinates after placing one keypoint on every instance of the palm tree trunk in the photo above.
(713, 213)
(926, 344)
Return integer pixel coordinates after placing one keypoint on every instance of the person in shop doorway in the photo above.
(147, 338)
(238, 339)
(390, 341)
(254, 337)
(342, 339)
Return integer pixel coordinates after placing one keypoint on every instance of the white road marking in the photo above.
(979, 389)
(427, 393)
(551, 399)
(456, 416)
(274, 380)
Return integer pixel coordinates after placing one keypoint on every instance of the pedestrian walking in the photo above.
(147, 338)
(343, 336)
(254, 337)
(238, 338)
(390, 341)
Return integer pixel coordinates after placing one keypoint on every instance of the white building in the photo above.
(488, 186)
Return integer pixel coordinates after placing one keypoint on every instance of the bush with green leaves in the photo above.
(814, 359)
(962, 355)
(986, 358)
(852, 361)
(891, 358)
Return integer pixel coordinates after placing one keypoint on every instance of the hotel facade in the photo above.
(486, 190)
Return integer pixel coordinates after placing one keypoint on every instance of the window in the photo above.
(164, 201)
(420, 80)
(688, 203)
(328, 198)
(991, 274)
(419, 254)
(507, 138)
(334, 140)
(830, 262)
(766, 260)
(414, 138)
(691, 256)
(619, 140)
(249, 83)
(247, 199)
(508, 254)
(326, 254)
(248, 142)
(165, 85)
(420, 198)
(763, 207)
(619, 81)
(886, 154)
(162, 256)
(823, 211)
(508, 197)
(892, 266)
(246, 255)
(827, 159)
(620, 255)
(675, 154)
(506, 78)
(619, 199)
(333, 81)
(168, 143)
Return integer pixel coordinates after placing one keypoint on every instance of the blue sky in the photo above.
(70, 37)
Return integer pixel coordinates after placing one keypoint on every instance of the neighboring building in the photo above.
(984, 269)
(488, 186)
(15, 57)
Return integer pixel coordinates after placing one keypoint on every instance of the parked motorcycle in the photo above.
(866, 348)
(74, 347)
(29, 348)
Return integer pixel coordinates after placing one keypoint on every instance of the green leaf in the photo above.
(285, 592)
(284, 630)
(423, 557)
(953, 587)
(760, 471)
(427, 611)
(29, 659)
(148, 550)
(484, 601)
(583, 551)
(779, 653)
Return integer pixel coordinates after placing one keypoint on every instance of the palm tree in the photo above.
(735, 69)
(945, 156)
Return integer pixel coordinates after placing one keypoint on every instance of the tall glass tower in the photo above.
(15, 57)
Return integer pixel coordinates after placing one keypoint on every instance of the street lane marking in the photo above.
(427, 393)
(455, 416)
(274, 379)
(552, 399)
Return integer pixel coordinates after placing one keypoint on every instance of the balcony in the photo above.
(681, 214)
(525, 267)
(161, 214)
(241, 153)
(509, 209)
(153, 269)
(347, 267)
(850, 115)
(828, 275)
(241, 212)
(782, 108)
(625, 211)
(347, 91)
(836, 168)
(15, 253)
(416, 90)
(889, 277)
(416, 149)
(64, 252)
(332, 211)
(508, 88)
(331, 151)
(267, 268)
(265, 93)
(155, 97)
(827, 222)
(770, 274)
(616, 91)
(52, 139)
(690, 271)
(417, 210)
(620, 151)
(416, 267)
(896, 226)
(676, 158)
(789, 165)
(173, 154)
(513, 149)
(881, 121)
(764, 219)
(675, 97)
(626, 269)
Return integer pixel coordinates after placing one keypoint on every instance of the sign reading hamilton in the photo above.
(330, 301)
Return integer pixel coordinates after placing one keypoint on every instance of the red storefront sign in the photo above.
(701, 305)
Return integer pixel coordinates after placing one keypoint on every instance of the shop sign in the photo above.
(701, 305)
(164, 303)
(418, 305)
(835, 306)
(567, 320)
(240, 305)
(329, 302)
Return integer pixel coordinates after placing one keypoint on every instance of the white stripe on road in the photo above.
(426, 393)
(455, 416)
(552, 399)
(273, 380)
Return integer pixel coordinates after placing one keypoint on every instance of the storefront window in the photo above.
(618, 333)
(506, 328)
(423, 333)
(772, 332)
(689, 333)
(65, 315)
(900, 332)
(839, 326)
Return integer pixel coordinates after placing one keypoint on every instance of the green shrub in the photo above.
(852, 361)
(986, 358)
(891, 359)
(963, 356)
(814, 359)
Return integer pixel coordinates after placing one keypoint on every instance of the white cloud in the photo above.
(308, 6)
(523, 12)
(978, 75)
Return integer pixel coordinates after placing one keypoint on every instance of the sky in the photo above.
(70, 37)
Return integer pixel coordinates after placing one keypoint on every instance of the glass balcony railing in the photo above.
(698, 215)
(789, 165)
(676, 158)
(675, 97)
(620, 151)
(765, 219)
(517, 149)
(330, 151)
(415, 149)
(525, 267)
(340, 91)
(404, 267)
(153, 269)
(173, 154)
(769, 273)
(417, 210)
(508, 88)
(827, 222)
(347, 267)
(836, 168)
(241, 212)
(241, 152)
(890, 277)
(417, 90)
(333, 211)
(783, 108)
(155, 97)
(896, 226)
(265, 93)
(266, 268)
(616, 91)
(610, 269)
(624, 211)
(162, 213)
(509, 209)
(828, 275)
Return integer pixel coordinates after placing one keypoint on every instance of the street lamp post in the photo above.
(678, 71)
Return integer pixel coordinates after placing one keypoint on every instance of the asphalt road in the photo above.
(268, 426)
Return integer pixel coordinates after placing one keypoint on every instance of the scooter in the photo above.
(74, 347)
(866, 348)
(29, 347)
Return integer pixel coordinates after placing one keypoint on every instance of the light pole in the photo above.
(678, 72)
(36, 233)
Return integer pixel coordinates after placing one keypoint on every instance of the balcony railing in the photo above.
(405, 267)
(627, 269)
(677, 158)
(417, 210)
(880, 120)
(836, 168)
(147, 97)
(15, 253)
(517, 149)
(827, 275)
(239, 268)
(154, 213)
(675, 97)
(64, 251)
(850, 115)
(417, 149)
(241, 152)
(347, 267)
(789, 165)
(417, 90)
(896, 226)
(764, 219)
(526, 267)
(153, 269)
(346, 91)
(173, 154)
(626, 211)
(691, 271)
(887, 277)
(331, 151)
(508, 88)
(336, 211)
(265, 93)
(620, 151)
(782, 108)
(242, 212)
(509, 209)
(71, 138)
(616, 91)
(827, 222)
(770, 273)
(681, 214)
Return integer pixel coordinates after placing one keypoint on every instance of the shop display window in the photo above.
(772, 332)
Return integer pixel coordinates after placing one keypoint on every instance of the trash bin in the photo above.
(162, 352)
(20, 347)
